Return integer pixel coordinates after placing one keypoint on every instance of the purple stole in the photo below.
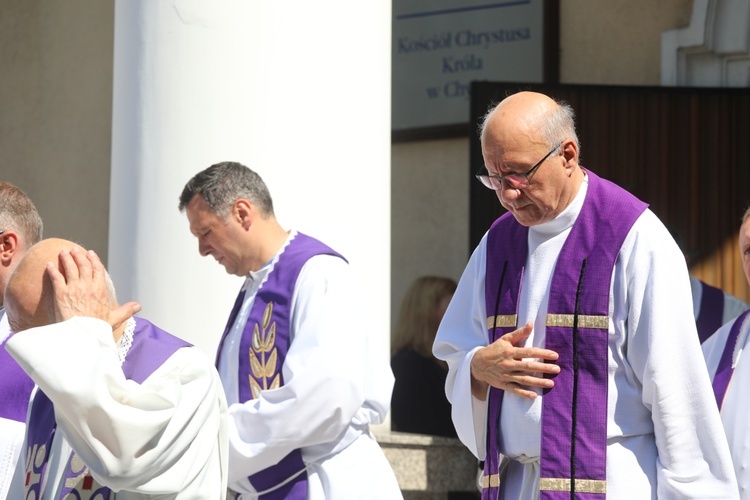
(724, 371)
(266, 340)
(15, 387)
(574, 412)
(711, 315)
(151, 347)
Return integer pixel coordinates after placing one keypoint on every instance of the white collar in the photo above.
(567, 217)
(126, 341)
(262, 273)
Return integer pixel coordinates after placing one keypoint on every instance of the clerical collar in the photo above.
(261, 273)
(567, 217)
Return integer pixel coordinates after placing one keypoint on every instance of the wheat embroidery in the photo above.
(263, 355)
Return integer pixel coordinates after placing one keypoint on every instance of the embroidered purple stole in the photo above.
(574, 412)
(725, 370)
(151, 347)
(711, 315)
(263, 348)
(39, 433)
(15, 386)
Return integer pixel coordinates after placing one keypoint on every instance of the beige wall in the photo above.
(616, 41)
(430, 212)
(55, 96)
(55, 111)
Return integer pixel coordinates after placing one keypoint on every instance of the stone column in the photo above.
(299, 91)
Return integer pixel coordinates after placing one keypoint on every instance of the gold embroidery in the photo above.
(263, 355)
(491, 481)
(76, 467)
(566, 320)
(563, 484)
(82, 484)
(501, 320)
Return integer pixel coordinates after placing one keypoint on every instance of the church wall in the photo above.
(55, 102)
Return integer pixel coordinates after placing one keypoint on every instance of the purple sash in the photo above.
(725, 371)
(265, 342)
(15, 387)
(39, 434)
(574, 412)
(505, 267)
(151, 347)
(711, 315)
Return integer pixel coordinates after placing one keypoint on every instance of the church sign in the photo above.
(441, 46)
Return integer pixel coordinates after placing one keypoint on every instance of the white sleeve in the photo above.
(329, 381)
(733, 307)
(11, 441)
(713, 347)
(665, 354)
(461, 333)
(159, 436)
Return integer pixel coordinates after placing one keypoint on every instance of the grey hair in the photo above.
(16, 325)
(18, 213)
(560, 125)
(222, 184)
(557, 125)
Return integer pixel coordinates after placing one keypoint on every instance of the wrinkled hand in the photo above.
(82, 290)
(509, 368)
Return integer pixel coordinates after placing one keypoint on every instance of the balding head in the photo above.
(28, 295)
(531, 135)
(529, 118)
(518, 117)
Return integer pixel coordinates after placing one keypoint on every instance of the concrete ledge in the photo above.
(430, 467)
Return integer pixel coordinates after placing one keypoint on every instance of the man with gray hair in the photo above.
(575, 367)
(123, 410)
(294, 359)
(20, 227)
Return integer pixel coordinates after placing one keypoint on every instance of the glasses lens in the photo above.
(517, 181)
(490, 182)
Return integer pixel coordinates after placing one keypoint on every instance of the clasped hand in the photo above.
(517, 370)
(81, 289)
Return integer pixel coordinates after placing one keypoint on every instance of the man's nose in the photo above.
(203, 248)
(507, 193)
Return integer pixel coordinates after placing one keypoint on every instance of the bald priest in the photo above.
(122, 409)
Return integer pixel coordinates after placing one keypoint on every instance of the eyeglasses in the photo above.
(516, 181)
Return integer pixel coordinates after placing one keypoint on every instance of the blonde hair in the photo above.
(418, 320)
(745, 216)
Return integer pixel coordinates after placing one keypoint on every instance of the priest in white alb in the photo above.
(122, 410)
(575, 365)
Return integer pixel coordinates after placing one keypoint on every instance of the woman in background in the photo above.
(419, 404)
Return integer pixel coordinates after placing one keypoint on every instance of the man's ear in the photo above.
(570, 153)
(9, 245)
(243, 212)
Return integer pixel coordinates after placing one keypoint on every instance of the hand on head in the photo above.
(81, 289)
(57, 280)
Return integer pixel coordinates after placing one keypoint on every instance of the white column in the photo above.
(297, 90)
